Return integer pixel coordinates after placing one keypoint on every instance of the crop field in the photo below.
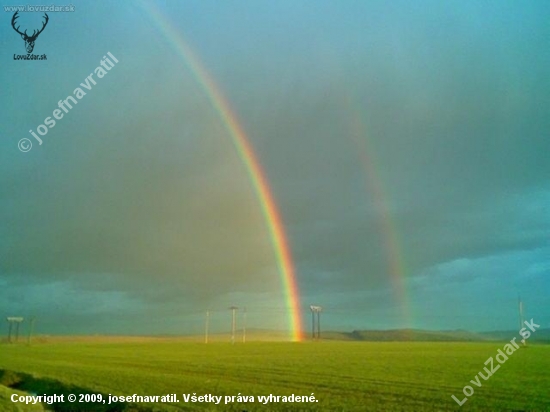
(342, 376)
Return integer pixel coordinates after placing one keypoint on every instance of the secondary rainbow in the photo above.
(250, 160)
(387, 227)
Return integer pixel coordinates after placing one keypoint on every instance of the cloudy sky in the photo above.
(406, 145)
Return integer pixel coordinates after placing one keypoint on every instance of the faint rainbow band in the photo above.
(395, 258)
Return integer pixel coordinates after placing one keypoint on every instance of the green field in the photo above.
(344, 376)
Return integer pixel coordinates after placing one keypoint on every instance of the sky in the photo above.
(405, 144)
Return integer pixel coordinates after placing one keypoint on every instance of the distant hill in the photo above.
(418, 335)
(541, 335)
(268, 335)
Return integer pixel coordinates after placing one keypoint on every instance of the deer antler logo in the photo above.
(29, 40)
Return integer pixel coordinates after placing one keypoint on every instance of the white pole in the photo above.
(233, 323)
(244, 325)
(521, 318)
(206, 326)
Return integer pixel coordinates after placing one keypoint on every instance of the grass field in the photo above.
(344, 376)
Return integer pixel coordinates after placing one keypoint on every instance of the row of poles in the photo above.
(15, 322)
(315, 323)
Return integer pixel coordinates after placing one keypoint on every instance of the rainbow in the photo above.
(387, 227)
(246, 153)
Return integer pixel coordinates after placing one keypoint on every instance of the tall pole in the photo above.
(31, 327)
(520, 308)
(315, 324)
(10, 323)
(13, 322)
(312, 323)
(319, 324)
(233, 323)
(17, 331)
(244, 325)
(206, 326)
(520, 304)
